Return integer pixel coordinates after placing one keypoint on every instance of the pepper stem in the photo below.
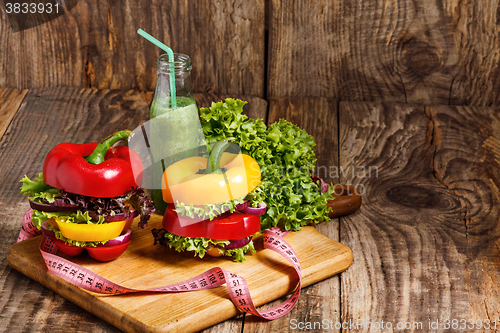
(213, 160)
(97, 155)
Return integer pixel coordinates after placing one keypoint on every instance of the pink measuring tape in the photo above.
(215, 277)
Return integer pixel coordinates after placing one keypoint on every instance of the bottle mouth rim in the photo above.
(181, 63)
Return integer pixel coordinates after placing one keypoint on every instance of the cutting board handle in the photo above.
(347, 201)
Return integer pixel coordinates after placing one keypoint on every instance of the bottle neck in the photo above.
(181, 64)
(178, 72)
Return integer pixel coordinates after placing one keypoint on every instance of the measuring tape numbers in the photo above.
(214, 277)
(28, 229)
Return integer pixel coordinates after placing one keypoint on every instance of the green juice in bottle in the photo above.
(175, 128)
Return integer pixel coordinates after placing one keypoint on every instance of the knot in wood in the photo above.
(414, 196)
(421, 58)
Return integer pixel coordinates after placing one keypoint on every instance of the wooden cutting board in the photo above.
(144, 265)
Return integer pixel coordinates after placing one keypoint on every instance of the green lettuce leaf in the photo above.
(38, 191)
(207, 211)
(70, 217)
(238, 254)
(199, 245)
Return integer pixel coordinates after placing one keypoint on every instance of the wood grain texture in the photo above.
(318, 116)
(28, 16)
(96, 45)
(467, 162)
(10, 100)
(425, 240)
(45, 118)
(429, 52)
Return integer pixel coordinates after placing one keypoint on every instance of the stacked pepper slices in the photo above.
(87, 197)
(208, 213)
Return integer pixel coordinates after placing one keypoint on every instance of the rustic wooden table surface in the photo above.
(425, 241)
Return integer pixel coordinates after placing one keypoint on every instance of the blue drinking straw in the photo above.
(171, 60)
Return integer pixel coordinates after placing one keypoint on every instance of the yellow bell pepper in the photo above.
(92, 232)
(182, 181)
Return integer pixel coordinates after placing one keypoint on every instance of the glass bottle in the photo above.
(175, 126)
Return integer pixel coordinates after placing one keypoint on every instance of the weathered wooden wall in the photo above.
(427, 52)
(96, 45)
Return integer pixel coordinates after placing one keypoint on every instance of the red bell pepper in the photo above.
(226, 226)
(93, 169)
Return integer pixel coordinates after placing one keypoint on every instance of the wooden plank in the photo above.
(269, 276)
(439, 52)
(318, 116)
(467, 162)
(24, 17)
(421, 249)
(96, 45)
(10, 100)
(45, 118)
(387, 235)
